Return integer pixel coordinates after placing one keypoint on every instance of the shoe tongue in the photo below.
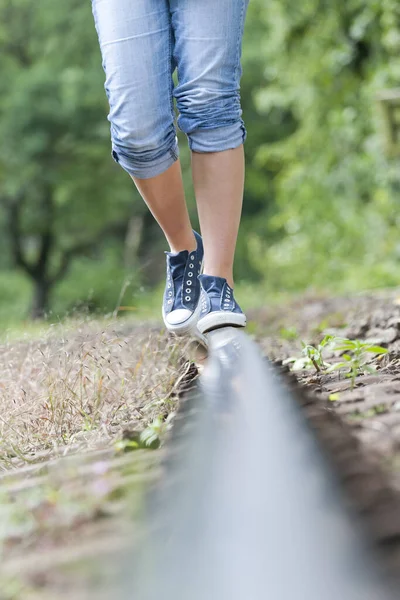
(177, 262)
(212, 285)
(178, 258)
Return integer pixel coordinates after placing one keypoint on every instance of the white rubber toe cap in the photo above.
(178, 316)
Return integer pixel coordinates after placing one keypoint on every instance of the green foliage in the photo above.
(153, 434)
(311, 356)
(355, 357)
(14, 297)
(55, 167)
(95, 286)
(149, 438)
(333, 219)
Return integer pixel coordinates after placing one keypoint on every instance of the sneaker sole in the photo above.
(219, 319)
(187, 326)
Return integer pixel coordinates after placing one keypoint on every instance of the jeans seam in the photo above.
(239, 60)
(171, 83)
(240, 40)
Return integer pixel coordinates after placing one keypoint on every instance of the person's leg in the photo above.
(219, 180)
(208, 39)
(165, 197)
(136, 41)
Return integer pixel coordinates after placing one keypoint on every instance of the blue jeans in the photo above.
(142, 42)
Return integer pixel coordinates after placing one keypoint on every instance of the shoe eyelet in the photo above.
(190, 274)
(169, 301)
(169, 285)
(188, 282)
(187, 298)
(192, 257)
(188, 290)
(169, 293)
(191, 266)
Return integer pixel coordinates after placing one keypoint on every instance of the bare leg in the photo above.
(165, 197)
(218, 181)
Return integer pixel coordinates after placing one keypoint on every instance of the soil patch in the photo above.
(358, 425)
(372, 406)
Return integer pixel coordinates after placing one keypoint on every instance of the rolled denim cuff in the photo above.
(145, 166)
(218, 139)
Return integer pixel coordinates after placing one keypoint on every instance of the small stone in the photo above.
(395, 348)
(382, 336)
(394, 322)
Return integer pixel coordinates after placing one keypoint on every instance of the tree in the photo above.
(60, 191)
(334, 194)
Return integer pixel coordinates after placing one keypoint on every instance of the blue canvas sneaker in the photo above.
(218, 307)
(181, 306)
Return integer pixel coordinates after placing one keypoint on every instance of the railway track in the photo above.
(251, 504)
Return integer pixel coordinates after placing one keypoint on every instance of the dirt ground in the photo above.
(356, 422)
(72, 405)
(372, 407)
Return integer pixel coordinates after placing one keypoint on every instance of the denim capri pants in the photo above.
(142, 43)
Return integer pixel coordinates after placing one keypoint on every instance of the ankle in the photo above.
(180, 243)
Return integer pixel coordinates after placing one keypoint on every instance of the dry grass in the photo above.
(68, 392)
(67, 494)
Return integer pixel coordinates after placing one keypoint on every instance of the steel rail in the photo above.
(249, 507)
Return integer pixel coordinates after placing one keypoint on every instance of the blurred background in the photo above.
(323, 182)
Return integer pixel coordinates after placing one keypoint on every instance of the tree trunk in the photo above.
(41, 298)
(133, 240)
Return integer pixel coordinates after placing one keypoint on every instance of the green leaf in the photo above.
(338, 366)
(344, 347)
(327, 339)
(376, 349)
(150, 438)
(301, 364)
(126, 445)
(289, 360)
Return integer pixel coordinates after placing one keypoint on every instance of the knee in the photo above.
(212, 120)
(142, 151)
